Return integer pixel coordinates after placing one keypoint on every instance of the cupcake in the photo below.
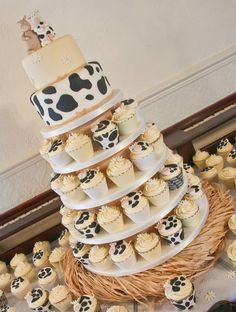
(44, 148)
(42, 245)
(47, 278)
(209, 174)
(171, 229)
(132, 103)
(56, 183)
(120, 171)
(5, 281)
(142, 155)
(232, 223)
(41, 258)
(57, 256)
(180, 291)
(123, 254)
(194, 192)
(117, 308)
(68, 217)
(7, 308)
(86, 224)
(193, 180)
(227, 176)
(110, 218)
(106, 134)
(3, 299)
(37, 300)
(57, 154)
(174, 159)
(86, 303)
(153, 136)
(79, 147)
(224, 147)
(231, 252)
(215, 161)
(173, 175)
(20, 287)
(188, 169)
(71, 188)
(200, 158)
(81, 252)
(148, 245)
(25, 270)
(126, 119)
(231, 158)
(3, 267)
(63, 239)
(157, 192)
(136, 206)
(93, 183)
(60, 297)
(188, 212)
(17, 259)
(99, 257)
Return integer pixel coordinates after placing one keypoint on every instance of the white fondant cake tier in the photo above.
(80, 91)
(53, 62)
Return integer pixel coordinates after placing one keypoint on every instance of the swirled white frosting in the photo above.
(57, 255)
(98, 253)
(76, 141)
(151, 133)
(118, 165)
(43, 245)
(214, 160)
(227, 173)
(193, 180)
(108, 214)
(200, 155)
(23, 269)
(186, 208)
(69, 216)
(174, 159)
(137, 151)
(5, 279)
(185, 289)
(58, 293)
(122, 113)
(208, 172)
(70, 183)
(231, 251)
(18, 258)
(57, 183)
(146, 242)
(232, 222)
(154, 187)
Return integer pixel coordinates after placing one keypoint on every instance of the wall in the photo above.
(175, 56)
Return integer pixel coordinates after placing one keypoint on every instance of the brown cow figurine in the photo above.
(29, 36)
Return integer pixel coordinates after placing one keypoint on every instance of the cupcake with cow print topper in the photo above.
(60, 297)
(99, 257)
(37, 300)
(63, 239)
(93, 183)
(71, 188)
(86, 303)
(126, 119)
(194, 192)
(148, 245)
(57, 183)
(215, 161)
(86, 224)
(81, 252)
(210, 174)
(231, 158)
(136, 206)
(110, 219)
(79, 147)
(106, 134)
(173, 175)
(156, 191)
(171, 229)
(47, 278)
(188, 169)
(188, 212)
(153, 136)
(132, 103)
(120, 171)
(41, 258)
(43, 245)
(123, 254)
(224, 147)
(180, 291)
(57, 154)
(20, 286)
(142, 155)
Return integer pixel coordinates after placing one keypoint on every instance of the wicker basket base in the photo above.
(194, 260)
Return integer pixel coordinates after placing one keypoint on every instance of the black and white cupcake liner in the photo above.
(175, 238)
(3, 300)
(46, 307)
(107, 140)
(187, 303)
(91, 230)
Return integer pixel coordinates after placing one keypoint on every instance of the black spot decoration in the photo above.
(102, 87)
(45, 272)
(127, 101)
(48, 101)
(16, 282)
(36, 293)
(49, 90)
(96, 63)
(120, 247)
(38, 105)
(53, 115)
(77, 84)
(89, 97)
(89, 69)
(232, 154)
(90, 174)
(66, 103)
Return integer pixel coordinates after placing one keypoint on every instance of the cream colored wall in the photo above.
(141, 44)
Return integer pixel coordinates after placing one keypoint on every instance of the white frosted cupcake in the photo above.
(57, 154)
(215, 161)
(231, 158)
(44, 148)
(194, 192)
(60, 297)
(126, 119)
(123, 254)
(81, 252)
(200, 158)
(193, 180)
(227, 176)
(86, 224)
(117, 308)
(68, 217)
(99, 257)
(224, 147)
(188, 169)
(3, 267)
(171, 229)
(42, 245)
(17, 259)
(110, 219)
(174, 159)
(20, 287)
(136, 206)
(173, 175)
(47, 278)
(157, 192)
(93, 183)
(71, 188)
(148, 245)
(86, 303)
(63, 239)
(180, 291)
(57, 256)
(188, 212)
(153, 136)
(120, 171)
(142, 155)
(41, 258)
(25, 270)
(232, 223)
(37, 300)
(79, 147)
(5, 281)
(106, 134)
(210, 174)
(56, 183)
(231, 252)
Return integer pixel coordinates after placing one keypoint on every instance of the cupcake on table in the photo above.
(47, 278)
(41, 258)
(154, 137)
(42, 245)
(125, 118)
(25, 270)
(86, 224)
(37, 300)
(157, 192)
(148, 245)
(227, 176)
(200, 158)
(57, 256)
(232, 224)
(86, 303)
(17, 259)
(60, 297)
(106, 134)
(210, 174)
(171, 229)
(231, 158)
(224, 147)
(188, 169)
(215, 161)
(142, 155)
(99, 257)
(20, 287)
(110, 219)
(123, 254)
(180, 291)
(79, 147)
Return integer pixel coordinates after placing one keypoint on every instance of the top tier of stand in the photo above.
(78, 122)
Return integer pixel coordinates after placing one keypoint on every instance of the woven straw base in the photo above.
(194, 260)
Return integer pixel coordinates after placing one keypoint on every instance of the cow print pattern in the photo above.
(87, 176)
(55, 176)
(232, 154)
(207, 169)
(83, 259)
(127, 102)
(194, 188)
(169, 223)
(222, 143)
(63, 233)
(133, 199)
(55, 145)
(187, 167)
(46, 307)
(176, 182)
(16, 282)
(5, 308)
(90, 231)
(84, 304)
(36, 294)
(71, 95)
(38, 255)
(106, 140)
(45, 272)
(3, 300)
(120, 248)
